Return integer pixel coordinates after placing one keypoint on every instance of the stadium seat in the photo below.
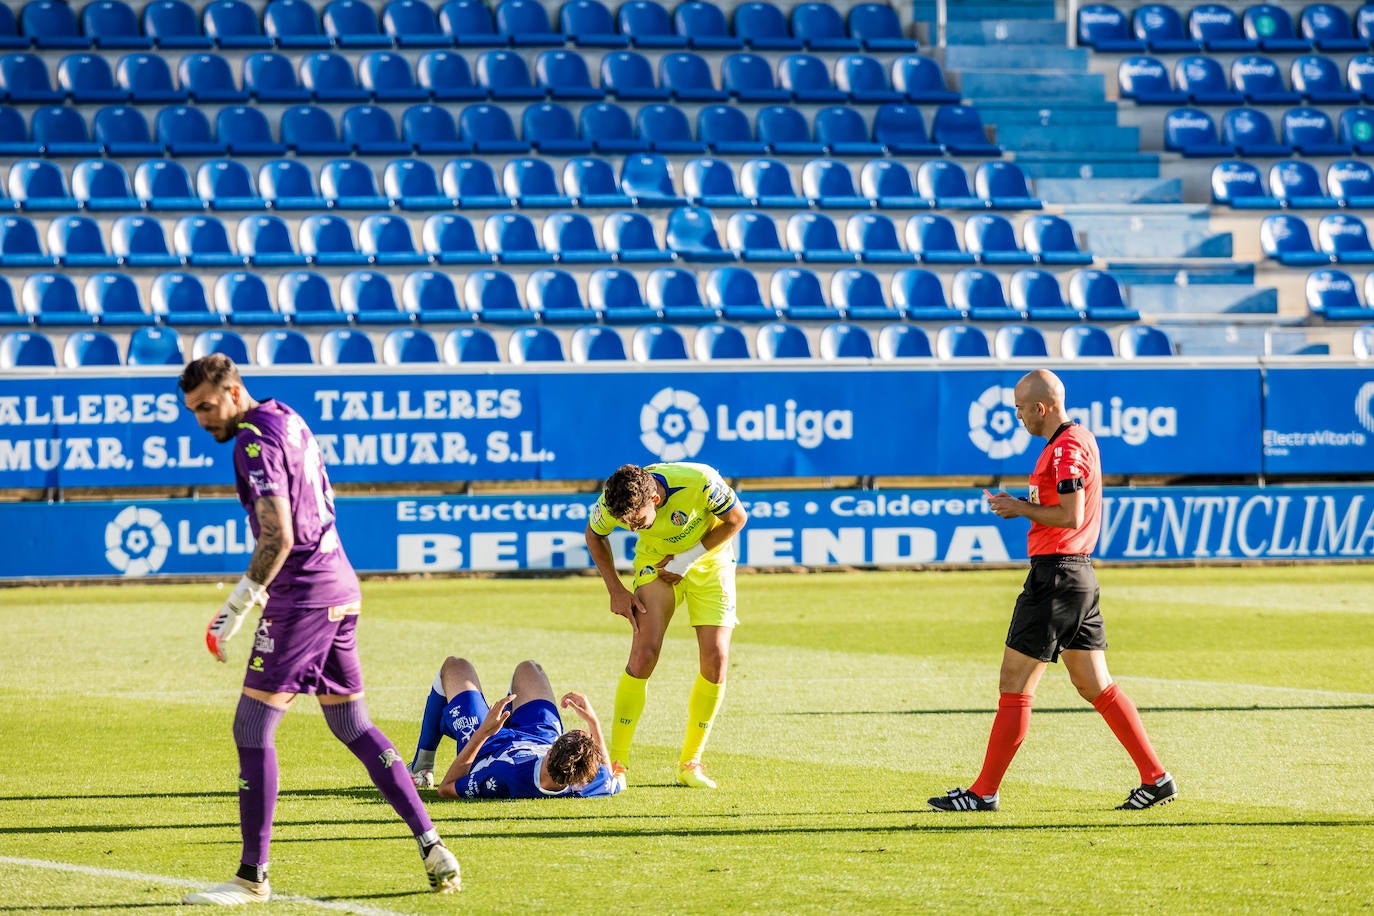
(445, 75)
(50, 24)
(780, 340)
(590, 182)
(1357, 129)
(1105, 28)
(346, 346)
(1359, 74)
(38, 185)
(353, 24)
(1240, 185)
(147, 78)
(449, 238)
(172, 25)
(704, 26)
(719, 341)
(139, 241)
(1311, 132)
(1250, 132)
(271, 77)
(178, 298)
(121, 130)
(901, 130)
(828, 184)
(734, 293)
(185, 131)
(241, 297)
(1203, 81)
(858, 295)
(347, 184)
(386, 239)
(20, 245)
(563, 75)
(1258, 79)
(807, 78)
(665, 129)
(711, 183)
(1191, 132)
(820, 27)
(469, 345)
(264, 241)
(368, 130)
(525, 23)
(1002, 186)
(469, 23)
(842, 131)
(873, 237)
(534, 345)
(62, 131)
(1317, 79)
(1036, 293)
(785, 131)
(154, 347)
(88, 78)
(1351, 183)
(293, 24)
(489, 129)
(1295, 183)
(918, 295)
(753, 236)
(233, 24)
(244, 132)
(493, 297)
(1097, 294)
(903, 341)
(550, 129)
(505, 76)
(403, 346)
(648, 180)
(863, 80)
(77, 241)
(413, 24)
(325, 239)
(687, 77)
(813, 237)
(305, 298)
(1332, 295)
(609, 129)
(1141, 340)
(961, 341)
(367, 297)
(627, 75)
(845, 341)
(1287, 240)
(614, 295)
(431, 129)
(1329, 28)
(571, 239)
(1161, 28)
(749, 78)
(1345, 239)
(1272, 27)
(512, 239)
(647, 25)
(24, 80)
(991, 239)
(959, 129)
(796, 295)
(877, 28)
(946, 184)
(1018, 341)
(308, 130)
(978, 294)
(26, 349)
(1145, 81)
(762, 26)
(593, 343)
(287, 184)
(673, 293)
(767, 183)
(1084, 341)
(113, 299)
(15, 139)
(932, 238)
(284, 347)
(691, 235)
(1218, 28)
(553, 295)
(429, 296)
(10, 313)
(533, 184)
(412, 184)
(654, 342)
(588, 24)
(1362, 342)
(1049, 239)
(214, 340)
(202, 241)
(889, 185)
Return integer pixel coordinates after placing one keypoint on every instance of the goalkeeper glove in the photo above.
(246, 595)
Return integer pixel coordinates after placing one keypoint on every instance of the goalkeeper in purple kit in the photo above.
(305, 641)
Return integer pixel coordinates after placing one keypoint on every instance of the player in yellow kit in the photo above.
(686, 517)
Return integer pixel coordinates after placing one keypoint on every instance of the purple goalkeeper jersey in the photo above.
(275, 454)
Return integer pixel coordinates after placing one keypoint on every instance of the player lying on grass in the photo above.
(514, 749)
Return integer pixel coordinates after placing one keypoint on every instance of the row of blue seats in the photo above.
(469, 183)
(1214, 27)
(566, 237)
(1255, 80)
(545, 127)
(1249, 132)
(413, 23)
(1341, 239)
(553, 296)
(1332, 295)
(1294, 183)
(500, 75)
(593, 343)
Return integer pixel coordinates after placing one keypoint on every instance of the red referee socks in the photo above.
(1124, 721)
(1009, 729)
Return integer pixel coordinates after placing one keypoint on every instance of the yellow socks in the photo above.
(630, 695)
(702, 706)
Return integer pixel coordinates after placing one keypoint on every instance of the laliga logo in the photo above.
(136, 541)
(673, 425)
(992, 424)
(1364, 405)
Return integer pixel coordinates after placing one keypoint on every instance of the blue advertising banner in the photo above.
(813, 528)
(1319, 421)
(67, 432)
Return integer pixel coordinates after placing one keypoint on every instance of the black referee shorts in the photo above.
(1057, 608)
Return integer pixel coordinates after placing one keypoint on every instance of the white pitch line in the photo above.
(342, 906)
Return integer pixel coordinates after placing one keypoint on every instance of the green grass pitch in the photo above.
(853, 697)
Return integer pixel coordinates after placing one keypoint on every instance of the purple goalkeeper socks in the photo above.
(351, 724)
(255, 725)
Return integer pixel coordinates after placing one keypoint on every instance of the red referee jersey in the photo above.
(1071, 454)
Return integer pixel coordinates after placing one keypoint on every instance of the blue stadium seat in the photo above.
(1145, 81)
(346, 346)
(785, 131)
(628, 236)
(293, 24)
(448, 238)
(534, 345)
(183, 130)
(489, 129)
(902, 131)
(445, 75)
(1018, 341)
(614, 295)
(858, 295)
(284, 347)
(1259, 80)
(1362, 342)
(492, 296)
(1097, 294)
(38, 185)
(526, 23)
(828, 184)
(10, 315)
(233, 24)
(687, 77)
(1329, 28)
(271, 77)
(470, 345)
(1311, 132)
(711, 183)
(77, 241)
(387, 77)
(1142, 340)
(431, 129)
(385, 239)
(842, 131)
(60, 130)
(9, 31)
(767, 183)
(749, 78)
(596, 344)
(920, 80)
(1331, 295)
(15, 139)
(1359, 73)
(1161, 28)
(571, 239)
(1364, 23)
(266, 242)
(353, 24)
(1203, 80)
(1218, 28)
(1345, 239)
(609, 128)
(1357, 129)
(215, 340)
(918, 295)
(24, 80)
(946, 184)
(472, 183)
(412, 184)
(178, 298)
(903, 341)
(654, 342)
(1317, 79)
(403, 346)
(88, 78)
(1105, 28)
(511, 237)
(51, 25)
(1240, 185)
(505, 76)
(889, 185)
(368, 130)
(932, 238)
(796, 294)
(1272, 27)
(244, 132)
(308, 130)
(1036, 294)
(121, 130)
(648, 179)
(1351, 183)
(50, 299)
(139, 241)
(241, 297)
(845, 341)
(627, 75)
(563, 75)
(113, 299)
(328, 77)
(325, 239)
(961, 341)
(691, 235)
(763, 27)
(719, 341)
(665, 129)
(554, 296)
(287, 184)
(978, 294)
(469, 23)
(367, 297)
(959, 129)
(673, 293)
(413, 24)
(734, 293)
(1295, 183)
(991, 239)
(704, 26)
(306, 298)
(588, 24)
(147, 78)
(863, 80)
(20, 245)
(820, 27)
(202, 241)
(1191, 132)
(1286, 239)
(779, 340)
(154, 347)
(591, 182)
(430, 296)
(1250, 132)
(1051, 240)
(1003, 186)
(173, 25)
(647, 25)
(877, 28)
(753, 236)
(550, 129)
(1085, 341)
(807, 78)
(873, 237)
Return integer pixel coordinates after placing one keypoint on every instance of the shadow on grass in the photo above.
(1084, 709)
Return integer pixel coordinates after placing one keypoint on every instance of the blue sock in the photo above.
(431, 727)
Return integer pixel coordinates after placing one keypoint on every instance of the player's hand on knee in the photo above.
(246, 596)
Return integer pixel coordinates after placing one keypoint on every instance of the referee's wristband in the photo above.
(682, 562)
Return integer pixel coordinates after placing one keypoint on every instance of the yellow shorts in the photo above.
(708, 588)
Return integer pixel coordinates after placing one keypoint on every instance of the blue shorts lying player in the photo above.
(516, 748)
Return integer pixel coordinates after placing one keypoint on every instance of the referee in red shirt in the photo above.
(1056, 614)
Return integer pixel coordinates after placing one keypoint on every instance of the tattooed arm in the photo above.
(276, 537)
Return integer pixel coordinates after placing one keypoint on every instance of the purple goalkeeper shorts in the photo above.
(306, 650)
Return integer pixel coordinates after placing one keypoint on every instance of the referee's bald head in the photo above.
(1041, 386)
